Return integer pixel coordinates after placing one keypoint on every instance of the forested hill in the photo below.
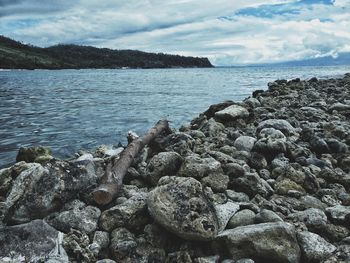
(15, 55)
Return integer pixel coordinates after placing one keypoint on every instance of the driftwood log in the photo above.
(112, 181)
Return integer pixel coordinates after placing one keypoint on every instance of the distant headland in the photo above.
(16, 55)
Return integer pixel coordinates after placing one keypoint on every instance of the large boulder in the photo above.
(313, 247)
(180, 205)
(32, 242)
(268, 242)
(39, 191)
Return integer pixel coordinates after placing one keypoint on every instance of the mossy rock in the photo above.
(285, 185)
(34, 154)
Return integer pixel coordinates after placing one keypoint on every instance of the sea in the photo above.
(71, 110)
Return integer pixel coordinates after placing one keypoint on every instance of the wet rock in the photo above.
(313, 247)
(197, 167)
(180, 205)
(162, 164)
(231, 113)
(132, 213)
(32, 242)
(281, 125)
(272, 242)
(79, 216)
(34, 154)
(242, 218)
(244, 143)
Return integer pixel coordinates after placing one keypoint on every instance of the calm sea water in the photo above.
(69, 110)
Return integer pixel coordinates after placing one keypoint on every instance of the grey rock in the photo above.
(180, 205)
(245, 260)
(32, 242)
(242, 218)
(312, 217)
(266, 216)
(339, 214)
(252, 184)
(34, 154)
(123, 244)
(224, 212)
(104, 151)
(100, 241)
(197, 167)
(272, 242)
(237, 196)
(339, 107)
(81, 217)
(313, 247)
(85, 157)
(231, 113)
(271, 142)
(212, 128)
(162, 164)
(210, 259)
(244, 143)
(105, 261)
(132, 213)
(282, 125)
(217, 182)
(234, 170)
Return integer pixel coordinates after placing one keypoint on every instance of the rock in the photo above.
(123, 244)
(231, 113)
(34, 154)
(179, 142)
(131, 213)
(242, 218)
(252, 102)
(271, 142)
(270, 242)
(210, 259)
(224, 212)
(100, 241)
(257, 161)
(245, 260)
(339, 107)
(217, 182)
(197, 167)
(281, 125)
(252, 184)
(236, 196)
(179, 256)
(339, 214)
(76, 244)
(79, 216)
(212, 128)
(32, 242)
(162, 164)
(104, 151)
(180, 205)
(319, 145)
(85, 157)
(336, 146)
(105, 261)
(284, 186)
(244, 143)
(234, 170)
(312, 217)
(266, 216)
(51, 187)
(313, 247)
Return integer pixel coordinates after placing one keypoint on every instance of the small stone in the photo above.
(339, 214)
(217, 182)
(224, 212)
(266, 216)
(123, 244)
(312, 217)
(210, 259)
(197, 167)
(282, 125)
(237, 196)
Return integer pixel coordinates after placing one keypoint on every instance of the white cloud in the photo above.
(193, 27)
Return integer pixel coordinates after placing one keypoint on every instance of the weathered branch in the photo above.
(112, 181)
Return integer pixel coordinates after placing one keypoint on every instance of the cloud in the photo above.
(228, 32)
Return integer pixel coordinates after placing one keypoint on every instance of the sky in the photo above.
(228, 32)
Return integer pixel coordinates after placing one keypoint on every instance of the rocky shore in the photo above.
(263, 180)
